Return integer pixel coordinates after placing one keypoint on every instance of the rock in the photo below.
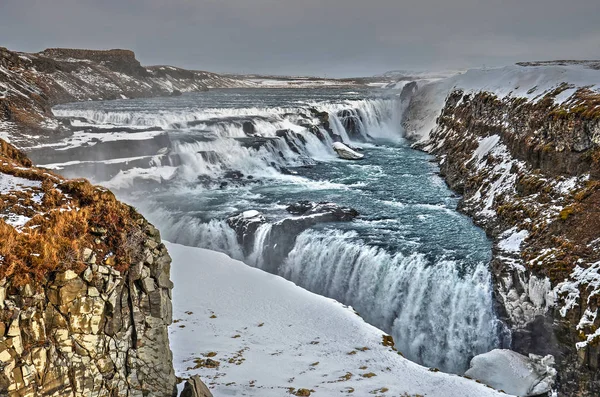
(256, 142)
(408, 91)
(352, 123)
(249, 128)
(245, 226)
(345, 152)
(89, 256)
(194, 387)
(331, 211)
(281, 237)
(106, 336)
(514, 373)
(233, 175)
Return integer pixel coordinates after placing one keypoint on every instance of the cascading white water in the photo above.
(215, 235)
(222, 152)
(437, 314)
(440, 311)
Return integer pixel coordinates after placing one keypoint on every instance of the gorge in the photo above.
(253, 173)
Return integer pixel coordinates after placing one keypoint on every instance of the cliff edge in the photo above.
(522, 145)
(84, 290)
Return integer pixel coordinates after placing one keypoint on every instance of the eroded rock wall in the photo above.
(85, 290)
(527, 170)
(97, 333)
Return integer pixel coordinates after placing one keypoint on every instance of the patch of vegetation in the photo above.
(567, 212)
(70, 212)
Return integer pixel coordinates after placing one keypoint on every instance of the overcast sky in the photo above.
(311, 37)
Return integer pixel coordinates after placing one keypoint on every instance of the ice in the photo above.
(512, 240)
(270, 335)
(514, 373)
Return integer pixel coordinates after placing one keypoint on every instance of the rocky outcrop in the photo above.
(85, 294)
(277, 239)
(527, 170)
(195, 388)
(30, 84)
(344, 152)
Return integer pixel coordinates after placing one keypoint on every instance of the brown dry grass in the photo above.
(54, 239)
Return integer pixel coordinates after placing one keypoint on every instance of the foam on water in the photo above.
(411, 265)
(438, 313)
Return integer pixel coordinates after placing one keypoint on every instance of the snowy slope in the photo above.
(269, 336)
(531, 82)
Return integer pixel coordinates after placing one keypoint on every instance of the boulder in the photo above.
(329, 211)
(245, 226)
(344, 152)
(409, 90)
(514, 373)
(194, 387)
(249, 128)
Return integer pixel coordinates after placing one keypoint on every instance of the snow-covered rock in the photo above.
(530, 81)
(266, 337)
(345, 152)
(514, 373)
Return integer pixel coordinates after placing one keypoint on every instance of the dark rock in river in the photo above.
(234, 175)
(255, 142)
(282, 235)
(336, 212)
(245, 226)
(409, 90)
(249, 128)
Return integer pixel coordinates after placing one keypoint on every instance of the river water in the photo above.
(410, 264)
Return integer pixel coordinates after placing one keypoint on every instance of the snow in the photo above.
(514, 373)
(10, 183)
(512, 240)
(345, 152)
(251, 214)
(298, 82)
(15, 220)
(531, 82)
(80, 138)
(485, 146)
(569, 291)
(270, 335)
(126, 178)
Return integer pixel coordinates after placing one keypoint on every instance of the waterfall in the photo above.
(440, 314)
(438, 309)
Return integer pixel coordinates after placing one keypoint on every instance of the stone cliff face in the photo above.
(85, 294)
(528, 172)
(30, 84)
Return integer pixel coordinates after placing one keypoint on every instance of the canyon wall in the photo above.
(527, 166)
(30, 84)
(85, 294)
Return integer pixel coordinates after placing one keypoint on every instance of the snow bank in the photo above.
(345, 152)
(268, 336)
(531, 82)
(514, 373)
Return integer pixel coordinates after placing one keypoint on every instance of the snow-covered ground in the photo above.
(271, 338)
(531, 82)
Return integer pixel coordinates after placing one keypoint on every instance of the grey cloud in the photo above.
(333, 37)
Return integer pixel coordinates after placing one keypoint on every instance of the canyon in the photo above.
(519, 144)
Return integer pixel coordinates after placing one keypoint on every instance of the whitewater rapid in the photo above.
(410, 265)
